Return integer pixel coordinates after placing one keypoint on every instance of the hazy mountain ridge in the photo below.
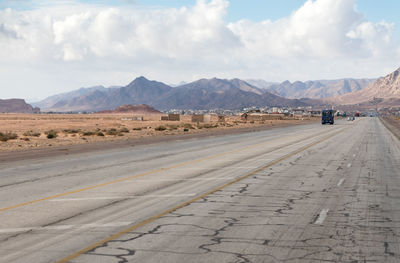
(201, 94)
(139, 91)
(316, 89)
(52, 100)
(384, 91)
(221, 93)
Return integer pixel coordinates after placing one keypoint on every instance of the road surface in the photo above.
(308, 193)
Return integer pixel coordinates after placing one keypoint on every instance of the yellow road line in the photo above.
(151, 219)
(132, 177)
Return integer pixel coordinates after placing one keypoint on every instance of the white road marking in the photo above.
(340, 182)
(348, 165)
(322, 216)
(115, 197)
(63, 227)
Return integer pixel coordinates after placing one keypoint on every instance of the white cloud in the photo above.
(322, 39)
(319, 29)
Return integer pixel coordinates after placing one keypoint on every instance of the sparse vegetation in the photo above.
(32, 134)
(71, 131)
(160, 128)
(100, 134)
(172, 127)
(185, 129)
(208, 126)
(88, 133)
(7, 136)
(114, 132)
(124, 130)
(51, 134)
(111, 131)
(137, 129)
(188, 126)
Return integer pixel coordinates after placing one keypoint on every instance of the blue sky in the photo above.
(374, 10)
(257, 10)
(62, 45)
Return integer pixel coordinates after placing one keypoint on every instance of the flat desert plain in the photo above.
(28, 131)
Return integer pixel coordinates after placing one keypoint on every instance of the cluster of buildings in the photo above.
(287, 111)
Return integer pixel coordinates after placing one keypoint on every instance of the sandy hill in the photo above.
(134, 109)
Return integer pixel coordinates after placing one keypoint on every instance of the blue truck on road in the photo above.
(327, 117)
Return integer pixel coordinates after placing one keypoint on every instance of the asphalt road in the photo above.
(307, 193)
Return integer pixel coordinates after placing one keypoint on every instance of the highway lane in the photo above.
(310, 193)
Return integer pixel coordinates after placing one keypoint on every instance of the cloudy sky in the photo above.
(50, 46)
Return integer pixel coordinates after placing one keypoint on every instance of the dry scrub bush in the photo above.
(208, 126)
(88, 133)
(51, 134)
(32, 134)
(114, 132)
(160, 128)
(7, 136)
(72, 131)
(172, 127)
(188, 126)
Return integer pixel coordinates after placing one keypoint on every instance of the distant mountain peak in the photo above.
(141, 78)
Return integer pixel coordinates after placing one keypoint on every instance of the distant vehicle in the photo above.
(351, 118)
(327, 117)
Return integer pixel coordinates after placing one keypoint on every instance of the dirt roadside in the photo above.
(392, 125)
(36, 153)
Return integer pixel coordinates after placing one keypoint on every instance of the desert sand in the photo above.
(69, 129)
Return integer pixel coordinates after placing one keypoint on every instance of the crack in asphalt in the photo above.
(357, 232)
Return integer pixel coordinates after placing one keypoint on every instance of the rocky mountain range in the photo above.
(202, 94)
(16, 106)
(316, 89)
(229, 94)
(52, 100)
(221, 93)
(384, 91)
